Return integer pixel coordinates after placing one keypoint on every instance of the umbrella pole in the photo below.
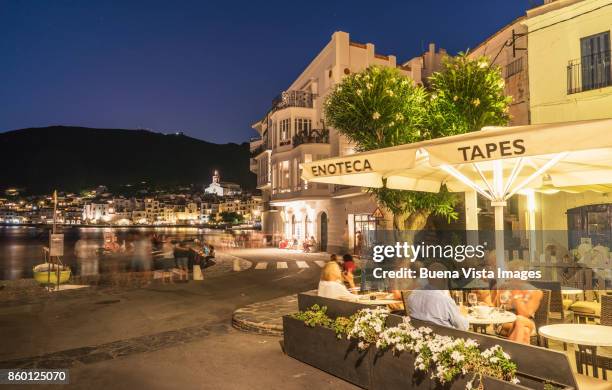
(499, 234)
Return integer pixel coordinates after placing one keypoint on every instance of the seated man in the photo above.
(433, 303)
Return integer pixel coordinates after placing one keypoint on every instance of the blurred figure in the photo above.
(523, 300)
(433, 303)
(310, 244)
(181, 257)
(358, 243)
(333, 257)
(348, 267)
(331, 285)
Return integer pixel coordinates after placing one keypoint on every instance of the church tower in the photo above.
(216, 178)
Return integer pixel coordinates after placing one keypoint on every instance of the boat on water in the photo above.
(47, 273)
(52, 271)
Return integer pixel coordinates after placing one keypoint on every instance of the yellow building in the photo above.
(570, 79)
(569, 60)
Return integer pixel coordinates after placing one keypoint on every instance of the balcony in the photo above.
(261, 148)
(293, 99)
(589, 72)
(320, 136)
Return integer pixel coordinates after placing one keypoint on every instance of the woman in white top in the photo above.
(331, 284)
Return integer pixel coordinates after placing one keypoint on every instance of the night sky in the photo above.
(207, 68)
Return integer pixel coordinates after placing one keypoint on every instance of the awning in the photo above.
(497, 162)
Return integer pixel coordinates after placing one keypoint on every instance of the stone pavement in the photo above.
(265, 317)
(23, 291)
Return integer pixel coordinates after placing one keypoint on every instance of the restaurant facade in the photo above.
(293, 132)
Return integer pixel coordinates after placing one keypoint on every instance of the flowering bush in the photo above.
(367, 325)
(444, 357)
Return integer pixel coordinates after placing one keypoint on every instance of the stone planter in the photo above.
(320, 348)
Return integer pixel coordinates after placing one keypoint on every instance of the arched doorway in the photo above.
(323, 230)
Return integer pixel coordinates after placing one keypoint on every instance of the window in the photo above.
(285, 132)
(284, 175)
(302, 125)
(595, 59)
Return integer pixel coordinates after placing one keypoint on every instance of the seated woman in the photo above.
(331, 285)
(348, 267)
(522, 299)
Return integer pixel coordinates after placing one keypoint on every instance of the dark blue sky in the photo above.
(208, 68)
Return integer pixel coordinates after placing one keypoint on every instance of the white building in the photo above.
(222, 188)
(294, 131)
(98, 212)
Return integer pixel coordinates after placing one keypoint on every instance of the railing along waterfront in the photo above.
(589, 72)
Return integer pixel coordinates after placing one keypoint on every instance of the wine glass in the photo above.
(504, 298)
(472, 299)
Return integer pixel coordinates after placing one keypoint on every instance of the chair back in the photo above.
(405, 295)
(606, 310)
(556, 299)
(540, 317)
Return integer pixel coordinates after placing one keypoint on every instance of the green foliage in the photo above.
(342, 325)
(406, 202)
(376, 108)
(317, 316)
(231, 217)
(314, 316)
(466, 95)
(380, 107)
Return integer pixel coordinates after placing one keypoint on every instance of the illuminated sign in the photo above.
(493, 150)
(342, 167)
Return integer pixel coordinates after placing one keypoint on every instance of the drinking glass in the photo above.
(503, 299)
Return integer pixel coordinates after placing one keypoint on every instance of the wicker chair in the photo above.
(541, 317)
(606, 310)
(558, 314)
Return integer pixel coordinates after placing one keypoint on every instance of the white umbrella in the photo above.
(497, 162)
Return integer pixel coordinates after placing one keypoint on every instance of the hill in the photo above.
(75, 158)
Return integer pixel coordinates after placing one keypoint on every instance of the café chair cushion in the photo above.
(590, 383)
(567, 303)
(586, 307)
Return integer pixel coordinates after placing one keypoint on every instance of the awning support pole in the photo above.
(499, 234)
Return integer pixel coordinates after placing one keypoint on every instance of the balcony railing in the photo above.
(257, 151)
(315, 136)
(293, 99)
(589, 72)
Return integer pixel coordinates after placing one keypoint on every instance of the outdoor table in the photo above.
(587, 336)
(494, 318)
(570, 290)
(366, 300)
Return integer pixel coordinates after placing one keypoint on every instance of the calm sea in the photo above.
(21, 248)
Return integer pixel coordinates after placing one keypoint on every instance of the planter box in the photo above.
(371, 369)
(320, 348)
(391, 371)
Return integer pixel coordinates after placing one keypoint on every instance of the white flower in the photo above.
(368, 86)
(389, 92)
(376, 115)
(375, 70)
(457, 356)
(358, 92)
(515, 380)
(483, 64)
